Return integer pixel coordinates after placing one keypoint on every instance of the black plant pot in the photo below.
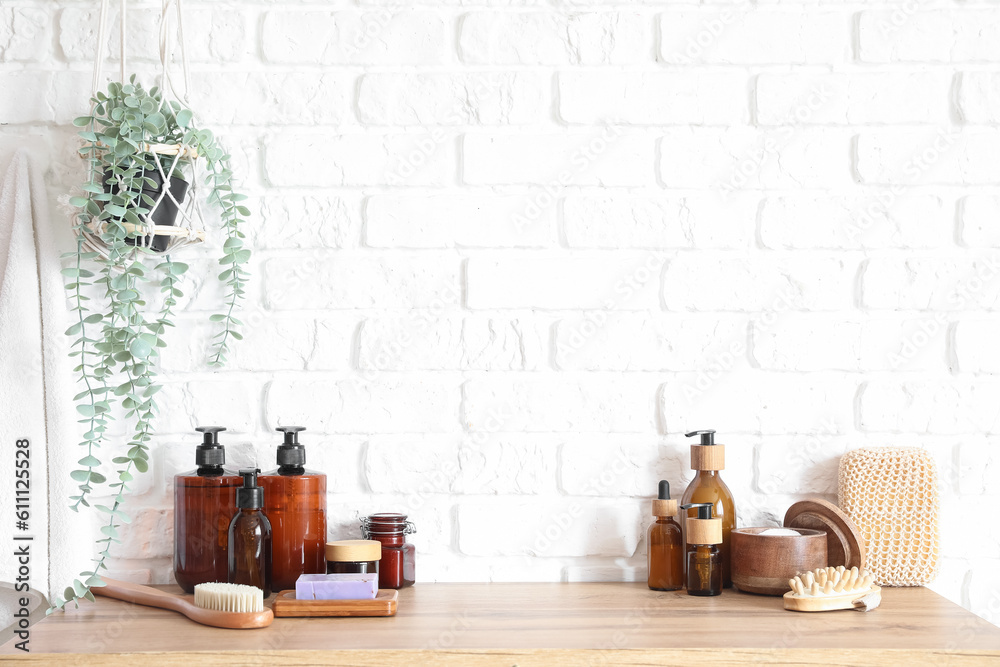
(164, 214)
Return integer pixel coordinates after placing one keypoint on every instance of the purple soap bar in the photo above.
(304, 587)
(337, 586)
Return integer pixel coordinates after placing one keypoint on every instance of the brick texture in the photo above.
(507, 251)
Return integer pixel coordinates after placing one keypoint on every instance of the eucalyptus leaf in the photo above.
(131, 302)
(156, 120)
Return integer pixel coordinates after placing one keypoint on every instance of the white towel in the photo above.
(35, 377)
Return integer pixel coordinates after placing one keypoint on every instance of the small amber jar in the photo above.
(353, 556)
(399, 557)
(704, 569)
(704, 557)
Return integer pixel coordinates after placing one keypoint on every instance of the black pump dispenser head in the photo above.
(707, 437)
(704, 509)
(291, 454)
(664, 491)
(249, 496)
(210, 453)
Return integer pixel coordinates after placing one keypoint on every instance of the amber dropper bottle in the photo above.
(665, 544)
(250, 536)
(704, 558)
(707, 486)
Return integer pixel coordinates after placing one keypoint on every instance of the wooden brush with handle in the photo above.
(829, 588)
(231, 606)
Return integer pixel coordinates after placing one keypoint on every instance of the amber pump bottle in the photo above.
(704, 558)
(708, 459)
(204, 504)
(250, 536)
(665, 544)
(295, 502)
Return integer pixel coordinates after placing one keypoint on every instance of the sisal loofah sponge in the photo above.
(891, 494)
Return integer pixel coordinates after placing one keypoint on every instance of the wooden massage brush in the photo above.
(829, 588)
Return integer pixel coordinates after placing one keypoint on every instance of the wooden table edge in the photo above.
(522, 657)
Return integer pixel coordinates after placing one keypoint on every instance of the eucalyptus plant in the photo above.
(119, 330)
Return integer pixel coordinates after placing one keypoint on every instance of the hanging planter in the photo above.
(164, 214)
(146, 158)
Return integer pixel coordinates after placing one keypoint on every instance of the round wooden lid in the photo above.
(665, 507)
(844, 545)
(353, 551)
(704, 531)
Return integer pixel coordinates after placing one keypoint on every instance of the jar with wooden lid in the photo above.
(353, 556)
(398, 557)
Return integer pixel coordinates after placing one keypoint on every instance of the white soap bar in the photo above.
(781, 532)
(337, 586)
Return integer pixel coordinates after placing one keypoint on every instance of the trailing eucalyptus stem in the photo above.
(117, 364)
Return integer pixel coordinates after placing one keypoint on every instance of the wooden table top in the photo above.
(527, 624)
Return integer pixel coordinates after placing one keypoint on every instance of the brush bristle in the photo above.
(828, 581)
(229, 597)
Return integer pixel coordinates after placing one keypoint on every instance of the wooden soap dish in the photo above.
(384, 604)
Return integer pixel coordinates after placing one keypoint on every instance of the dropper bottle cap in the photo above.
(249, 496)
(663, 505)
(291, 454)
(707, 455)
(210, 452)
(703, 529)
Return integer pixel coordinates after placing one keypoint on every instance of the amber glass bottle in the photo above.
(665, 544)
(704, 558)
(204, 504)
(707, 486)
(250, 537)
(295, 503)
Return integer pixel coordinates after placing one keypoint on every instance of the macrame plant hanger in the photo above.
(190, 227)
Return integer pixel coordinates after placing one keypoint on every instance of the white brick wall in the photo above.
(507, 251)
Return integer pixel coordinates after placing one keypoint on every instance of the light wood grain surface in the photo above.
(528, 624)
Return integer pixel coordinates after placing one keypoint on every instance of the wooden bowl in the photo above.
(763, 564)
